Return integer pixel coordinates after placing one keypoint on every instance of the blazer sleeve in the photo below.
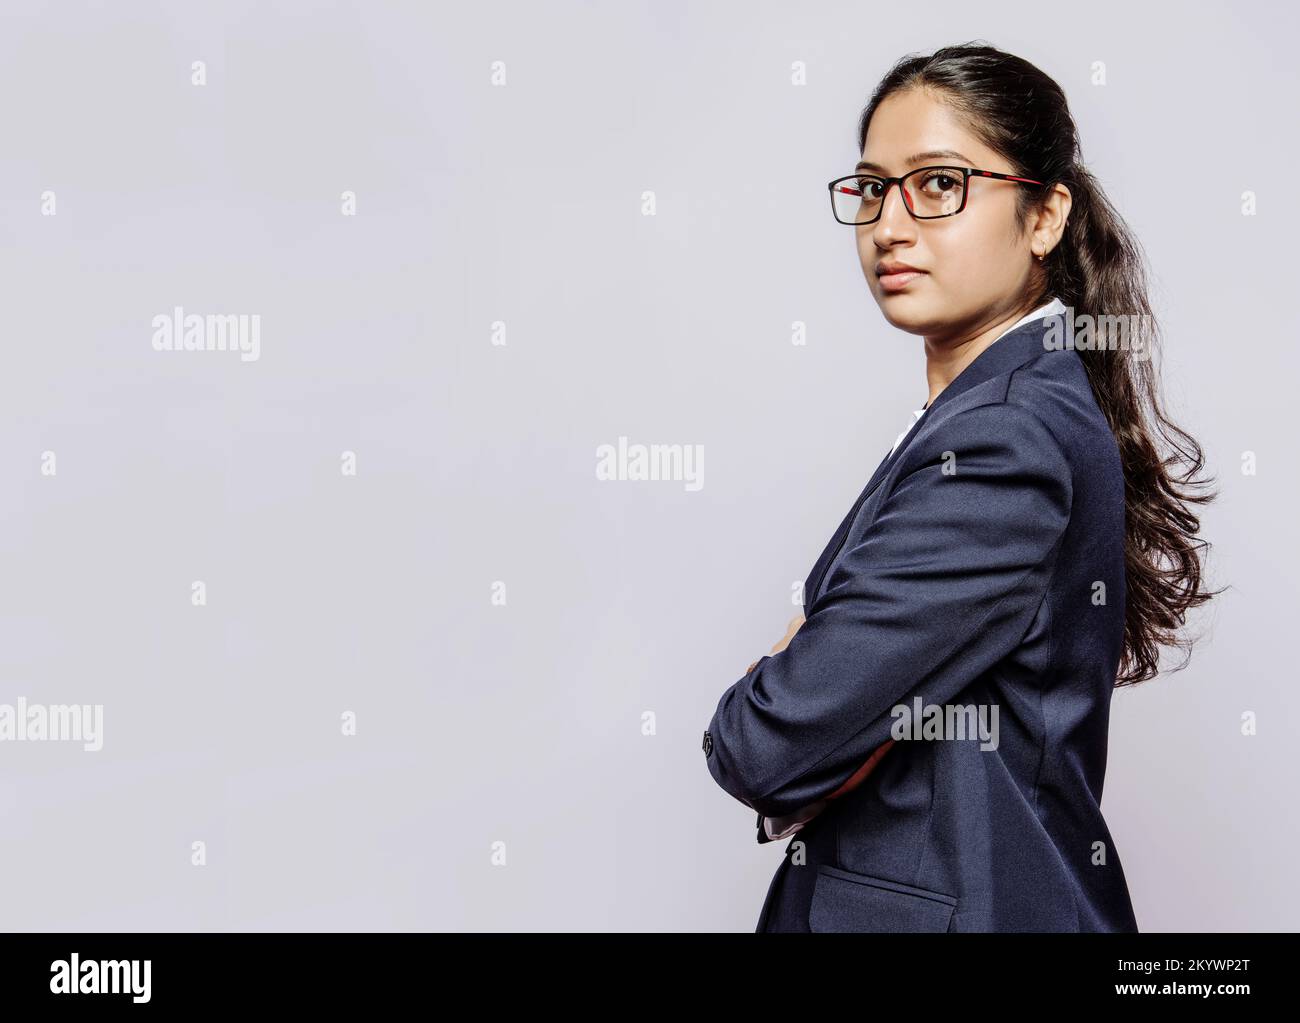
(942, 585)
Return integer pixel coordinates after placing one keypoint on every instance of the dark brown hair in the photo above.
(1098, 269)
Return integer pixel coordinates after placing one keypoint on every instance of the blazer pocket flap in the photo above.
(847, 902)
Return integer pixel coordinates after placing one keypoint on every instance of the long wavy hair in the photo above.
(1098, 268)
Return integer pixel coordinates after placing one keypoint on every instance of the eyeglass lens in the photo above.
(931, 192)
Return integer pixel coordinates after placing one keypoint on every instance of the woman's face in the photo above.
(976, 264)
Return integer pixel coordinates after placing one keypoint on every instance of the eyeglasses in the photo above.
(928, 193)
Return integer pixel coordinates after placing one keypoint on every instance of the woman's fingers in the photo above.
(860, 775)
(790, 630)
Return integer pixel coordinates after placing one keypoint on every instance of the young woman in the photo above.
(934, 732)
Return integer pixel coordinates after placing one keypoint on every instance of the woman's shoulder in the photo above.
(1055, 388)
(1040, 417)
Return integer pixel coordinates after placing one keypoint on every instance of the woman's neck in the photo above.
(946, 358)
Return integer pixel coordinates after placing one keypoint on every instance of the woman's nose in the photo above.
(895, 221)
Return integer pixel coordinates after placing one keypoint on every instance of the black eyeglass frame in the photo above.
(966, 172)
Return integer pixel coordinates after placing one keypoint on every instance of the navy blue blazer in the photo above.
(980, 572)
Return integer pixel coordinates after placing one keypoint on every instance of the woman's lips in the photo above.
(899, 281)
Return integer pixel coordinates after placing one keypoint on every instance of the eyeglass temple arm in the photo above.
(1003, 177)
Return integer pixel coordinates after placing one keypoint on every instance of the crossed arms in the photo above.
(944, 583)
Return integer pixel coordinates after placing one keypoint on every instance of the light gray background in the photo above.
(521, 724)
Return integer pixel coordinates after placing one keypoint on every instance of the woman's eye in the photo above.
(939, 183)
(870, 188)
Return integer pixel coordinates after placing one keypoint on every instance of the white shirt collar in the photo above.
(1054, 307)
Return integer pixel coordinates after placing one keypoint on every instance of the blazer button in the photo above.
(708, 742)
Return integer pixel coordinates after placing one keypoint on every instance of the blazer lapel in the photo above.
(1007, 353)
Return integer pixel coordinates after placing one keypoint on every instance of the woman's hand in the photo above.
(860, 775)
(790, 630)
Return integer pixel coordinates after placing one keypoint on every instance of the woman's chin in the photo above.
(904, 313)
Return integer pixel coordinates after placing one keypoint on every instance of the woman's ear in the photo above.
(1049, 223)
